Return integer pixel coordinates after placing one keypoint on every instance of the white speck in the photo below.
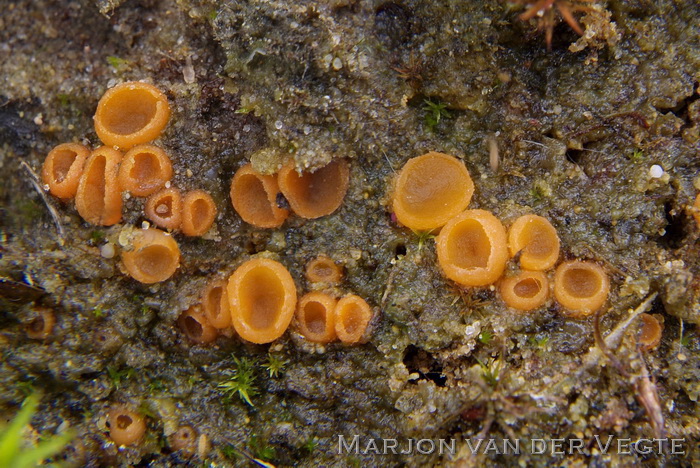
(246, 128)
(307, 130)
(46, 187)
(39, 119)
(656, 171)
(127, 195)
(188, 71)
(188, 173)
(145, 225)
(278, 125)
(107, 250)
(337, 63)
(167, 184)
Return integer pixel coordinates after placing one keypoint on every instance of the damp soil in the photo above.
(577, 130)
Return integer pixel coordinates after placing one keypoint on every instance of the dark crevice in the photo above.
(424, 364)
(675, 227)
(399, 250)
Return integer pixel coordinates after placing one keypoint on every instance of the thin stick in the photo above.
(34, 179)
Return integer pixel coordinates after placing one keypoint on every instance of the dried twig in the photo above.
(34, 179)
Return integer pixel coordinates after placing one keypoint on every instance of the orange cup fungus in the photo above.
(430, 190)
(215, 304)
(130, 114)
(98, 198)
(262, 298)
(126, 427)
(472, 248)
(198, 213)
(316, 317)
(582, 287)
(352, 316)
(164, 208)
(536, 240)
(254, 197)
(154, 258)
(184, 439)
(42, 325)
(323, 269)
(144, 169)
(525, 291)
(650, 332)
(315, 194)
(196, 327)
(62, 169)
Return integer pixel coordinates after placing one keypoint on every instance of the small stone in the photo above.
(656, 171)
(107, 250)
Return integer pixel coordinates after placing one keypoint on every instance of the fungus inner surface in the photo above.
(37, 325)
(581, 282)
(352, 318)
(200, 212)
(62, 162)
(95, 185)
(432, 187)
(165, 206)
(262, 297)
(124, 421)
(194, 328)
(323, 270)
(214, 300)
(538, 241)
(153, 260)
(146, 167)
(255, 197)
(318, 187)
(129, 111)
(470, 246)
(315, 317)
(528, 288)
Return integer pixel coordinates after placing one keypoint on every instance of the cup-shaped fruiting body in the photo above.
(184, 440)
(41, 326)
(154, 256)
(215, 304)
(164, 208)
(472, 248)
(98, 198)
(196, 327)
(318, 193)
(536, 240)
(63, 167)
(650, 333)
(126, 427)
(144, 169)
(525, 291)
(323, 269)
(198, 213)
(316, 317)
(430, 190)
(262, 298)
(582, 287)
(254, 197)
(130, 114)
(352, 316)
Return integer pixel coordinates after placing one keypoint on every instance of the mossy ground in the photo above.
(577, 133)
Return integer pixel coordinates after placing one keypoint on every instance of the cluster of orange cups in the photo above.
(310, 195)
(259, 301)
(433, 192)
(128, 117)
